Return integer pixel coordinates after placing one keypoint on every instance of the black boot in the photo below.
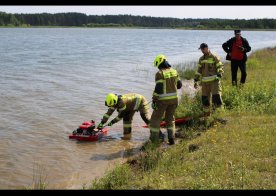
(161, 136)
(171, 141)
(234, 83)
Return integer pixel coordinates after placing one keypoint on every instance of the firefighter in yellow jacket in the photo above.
(126, 106)
(165, 99)
(210, 70)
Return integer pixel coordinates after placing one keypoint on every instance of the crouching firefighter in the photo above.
(126, 106)
(210, 70)
(164, 99)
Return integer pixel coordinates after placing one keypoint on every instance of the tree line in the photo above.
(83, 20)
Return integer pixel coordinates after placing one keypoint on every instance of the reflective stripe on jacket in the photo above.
(208, 67)
(127, 102)
(166, 85)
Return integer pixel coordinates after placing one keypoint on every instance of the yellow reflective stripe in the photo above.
(159, 81)
(170, 127)
(209, 78)
(208, 61)
(155, 94)
(123, 108)
(118, 118)
(167, 98)
(106, 115)
(146, 107)
(197, 74)
(167, 95)
(164, 87)
(219, 64)
(138, 101)
(154, 129)
(170, 73)
(127, 125)
(220, 70)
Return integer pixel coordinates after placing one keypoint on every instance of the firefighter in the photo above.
(126, 106)
(210, 70)
(164, 99)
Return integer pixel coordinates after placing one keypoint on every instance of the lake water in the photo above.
(53, 79)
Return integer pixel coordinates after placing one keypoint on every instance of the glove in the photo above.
(153, 105)
(195, 85)
(218, 76)
(242, 48)
(100, 126)
(110, 123)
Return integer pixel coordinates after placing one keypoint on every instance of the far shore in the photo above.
(136, 27)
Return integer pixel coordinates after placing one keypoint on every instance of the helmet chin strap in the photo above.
(119, 98)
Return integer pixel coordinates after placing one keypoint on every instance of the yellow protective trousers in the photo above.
(156, 118)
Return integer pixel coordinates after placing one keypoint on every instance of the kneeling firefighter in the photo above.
(126, 106)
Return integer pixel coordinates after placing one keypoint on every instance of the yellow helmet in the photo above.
(111, 100)
(158, 60)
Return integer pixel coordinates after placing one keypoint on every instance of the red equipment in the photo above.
(87, 131)
(177, 122)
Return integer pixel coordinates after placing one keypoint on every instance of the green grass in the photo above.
(186, 70)
(240, 154)
(40, 181)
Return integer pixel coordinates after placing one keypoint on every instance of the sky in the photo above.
(227, 12)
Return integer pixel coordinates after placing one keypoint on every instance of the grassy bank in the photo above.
(240, 154)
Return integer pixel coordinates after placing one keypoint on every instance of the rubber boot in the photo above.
(206, 114)
(161, 136)
(171, 135)
(126, 136)
(234, 83)
(171, 141)
(154, 137)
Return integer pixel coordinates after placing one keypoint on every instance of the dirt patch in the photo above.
(193, 147)
(188, 88)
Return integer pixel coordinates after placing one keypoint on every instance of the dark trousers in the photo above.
(234, 70)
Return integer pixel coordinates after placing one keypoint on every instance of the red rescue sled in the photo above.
(88, 132)
(177, 122)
